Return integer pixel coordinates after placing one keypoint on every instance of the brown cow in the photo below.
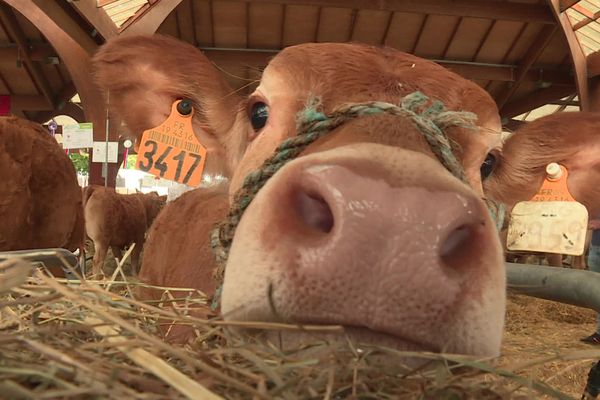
(569, 138)
(117, 220)
(365, 228)
(40, 199)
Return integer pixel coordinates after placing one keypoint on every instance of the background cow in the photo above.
(117, 220)
(391, 256)
(569, 138)
(40, 199)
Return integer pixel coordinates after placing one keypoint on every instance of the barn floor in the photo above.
(538, 328)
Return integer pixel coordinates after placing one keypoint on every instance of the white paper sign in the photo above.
(99, 152)
(78, 136)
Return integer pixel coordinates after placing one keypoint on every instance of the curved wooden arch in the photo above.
(78, 62)
(577, 56)
(150, 21)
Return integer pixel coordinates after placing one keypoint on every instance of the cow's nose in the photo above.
(381, 240)
(363, 247)
(334, 211)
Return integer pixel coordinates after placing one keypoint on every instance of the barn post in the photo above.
(577, 56)
(76, 58)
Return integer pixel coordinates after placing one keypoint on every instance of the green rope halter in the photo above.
(312, 124)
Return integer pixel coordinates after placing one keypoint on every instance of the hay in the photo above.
(74, 339)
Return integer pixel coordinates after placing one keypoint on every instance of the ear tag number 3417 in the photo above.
(171, 150)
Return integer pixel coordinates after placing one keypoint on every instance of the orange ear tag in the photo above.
(552, 221)
(554, 187)
(171, 150)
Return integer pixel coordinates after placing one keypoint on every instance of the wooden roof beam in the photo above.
(96, 17)
(589, 17)
(29, 103)
(470, 70)
(149, 18)
(534, 52)
(509, 11)
(102, 3)
(14, 30)
(536, 99)
(577, 55)
(64, 19)
(71, 109)
(566, 4)
(37, 52)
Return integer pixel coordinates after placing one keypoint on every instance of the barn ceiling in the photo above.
(515, 49)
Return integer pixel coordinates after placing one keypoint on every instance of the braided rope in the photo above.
(312, 124)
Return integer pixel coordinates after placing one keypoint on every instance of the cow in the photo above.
(40, 199)
(365, 228)
(568, 138)
(117, 220)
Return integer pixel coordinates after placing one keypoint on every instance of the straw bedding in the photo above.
(73, 339)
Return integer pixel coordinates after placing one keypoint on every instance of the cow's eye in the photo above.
(259, 114)
(488, 166)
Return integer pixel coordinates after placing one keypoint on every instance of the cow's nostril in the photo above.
(314, 211)
(456, 245)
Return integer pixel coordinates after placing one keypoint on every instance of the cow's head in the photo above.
(568, 138)
(365, 228)
(153, 203)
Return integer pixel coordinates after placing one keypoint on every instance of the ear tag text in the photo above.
(552, 221)
(171, 150)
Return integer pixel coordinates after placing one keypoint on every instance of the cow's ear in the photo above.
(141, 76)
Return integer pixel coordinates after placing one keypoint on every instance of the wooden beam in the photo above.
(509, 11)
(595, 94)
(565, 103)
(589, 17)
(469, 70)
(569, 102)
(102, 3)
(39, 103)
(14, 30)
(96, 17)
(534, 52)
(566, 4)
(63, 17)
(151, 19)
(577, 55)
(37, 52)
(536, 99)
(29, 103)
(71, 109)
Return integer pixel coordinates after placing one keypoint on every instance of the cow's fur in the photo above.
(40, 199)
(118, 220)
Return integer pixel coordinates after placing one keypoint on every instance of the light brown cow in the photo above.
(40, 199)
(568, 138)
(118, 220)
(365, 228)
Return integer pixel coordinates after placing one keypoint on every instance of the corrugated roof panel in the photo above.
(121, 10)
